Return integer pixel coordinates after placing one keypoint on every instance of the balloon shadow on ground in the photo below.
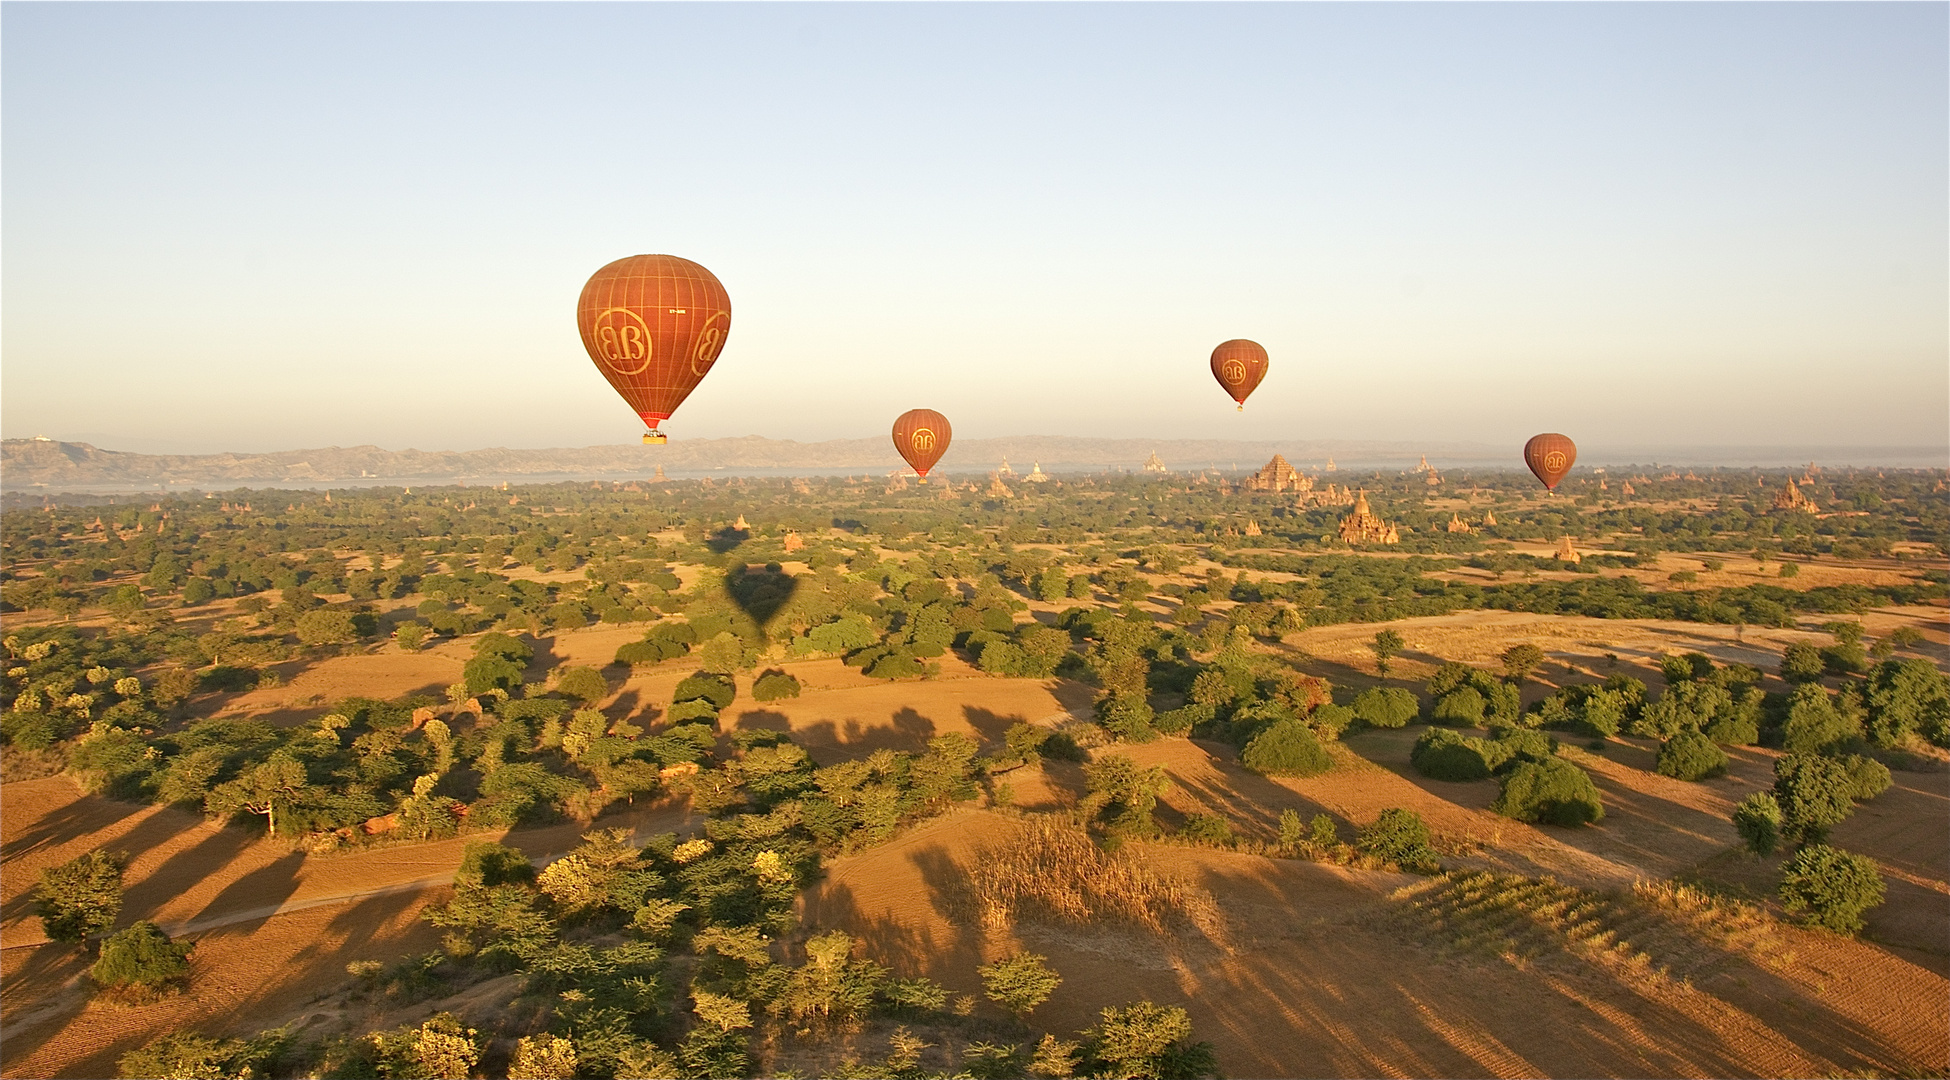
(727, 539)
(761, 592)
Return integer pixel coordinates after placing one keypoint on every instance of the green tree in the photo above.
(1386, 645)
(1801, 662)
(1019, 983)
(1520, 660)
(1399, 836)
(1286, 748)
(1758, 821)
(142, 958)
(583, 683)
(327, 626)
(1830, 888)
(1813, 793)
(80, 897)
(543, 1057)
(1690, 755)
(1147, 1040)
(1386, 707)
(260, 789)
(1554, 792)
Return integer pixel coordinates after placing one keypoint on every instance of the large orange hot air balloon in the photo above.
(921, 436)
(1239, 365)
(654, 325)
(1550, 456)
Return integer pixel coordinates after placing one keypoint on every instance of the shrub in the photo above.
(1813, 792)
(1460, 708)
(585, 684)
(717, 689)
(189, 1056)
(142, 958)
(1908, 696)
(1514, 745)
(1400, 836)
(1555, 792)
(1830, 888)
(1867, 777)
(1386, 707)
(1690, 755)
(1287, 748)
(774, 685)
(1442, 754)
(327, 626)
(1144, 1039)
(1758, 821)
(80, 897)
(1207, 829)
(897, 663)
(1801, 662)
(1814, 724)
(1019, 983)
(1328, 721)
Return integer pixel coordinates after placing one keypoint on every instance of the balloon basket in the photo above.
(655, 438)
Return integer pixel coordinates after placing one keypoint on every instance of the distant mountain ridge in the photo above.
(31, 462)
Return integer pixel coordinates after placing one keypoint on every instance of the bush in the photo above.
(1386, 707)
(1328, 721)
(897, 663)
(585, 684)
(189, 1056)
(1801, 662)
(1442, 754)
(1460, 708)
(1399, 836)
(1830, 888)
(1019, 983)
(1690, 755)
(1287, 748)
(1814, 724)
(142, 958)
(1867, 777)
(1207, 829)
(327, 626)
(1758, 821)
(717, 689)
(1555, 792)
(774, 685)
(80, 897)
(1515, 745)
(1144, 1039)
(1813, 792)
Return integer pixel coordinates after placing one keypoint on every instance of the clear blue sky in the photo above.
(264, 226)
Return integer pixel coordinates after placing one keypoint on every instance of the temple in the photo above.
(1790, 498)
(1005, 470)
(1277, 475)
(1036, 474)
(1457, 524)
(1363, 527)
(1566, 553)
(1153, 464)
(998, 489)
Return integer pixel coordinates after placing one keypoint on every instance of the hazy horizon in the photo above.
(252, 228)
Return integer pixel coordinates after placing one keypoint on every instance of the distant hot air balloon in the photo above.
(1550, 456)
(921, 436)
(654, 325)
(1239, 365)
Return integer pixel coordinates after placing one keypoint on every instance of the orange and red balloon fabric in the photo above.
(654, 325)
(1550, 456)
(1239, 365)
(921, 436)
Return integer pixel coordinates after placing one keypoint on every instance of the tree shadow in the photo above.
(990, 725)
(262, 890)
(195, 863)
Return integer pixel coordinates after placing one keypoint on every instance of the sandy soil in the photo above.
(1317, 983)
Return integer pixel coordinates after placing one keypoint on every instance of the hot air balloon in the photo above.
(1550, 456)
(1239, 365)
(654, 325)
(921, 436)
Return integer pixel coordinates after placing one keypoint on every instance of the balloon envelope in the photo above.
(921, 436)
(654, 325)
(1239, 365)
(1550, 456)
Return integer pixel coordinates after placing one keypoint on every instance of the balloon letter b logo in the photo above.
(1554, 461)
(622, 340)
(923, 439)
(1235, 371)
